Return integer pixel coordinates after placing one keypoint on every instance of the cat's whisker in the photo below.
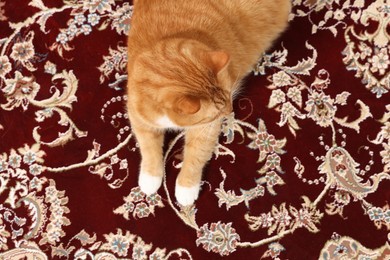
(236, 88)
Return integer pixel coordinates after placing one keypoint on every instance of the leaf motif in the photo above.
(274, 210)
(83, 254)
(346, 4)
(293, 210)
(272, 229)
(91, 155)
(341, 99)
(68, 95)
(293, 123)
(223, 150)
(253, 146)
(254, 222)
(65, 221)
(240, 130)
(328, 15)
(38, 4)
(122, 211)
(292, 130)
(306, 201)
(187, 214)
(95, 246)
(263, 169)
(301, 13)
(104, 25)
(333, 30)
(3, 40)
(262, 127)
(296, 95)
(229, 127)
(386, 116)
(60, 251)
(314, 29)
(355, 15)
(63, 137)
(280, 57)
(42, 20)
(277, 97)
(227, 197)
(262, 156)
(306, 65)
(355, 125)
(85, 238)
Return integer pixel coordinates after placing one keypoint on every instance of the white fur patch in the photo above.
(165, 122)
(149, 184)
(186, 196)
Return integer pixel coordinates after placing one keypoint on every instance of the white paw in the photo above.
(149, 184)
(186, 196)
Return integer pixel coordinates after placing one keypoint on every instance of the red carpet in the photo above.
(301, 170)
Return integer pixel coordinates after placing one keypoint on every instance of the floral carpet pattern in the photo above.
(301, 171)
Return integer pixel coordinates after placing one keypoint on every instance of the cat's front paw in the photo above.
(186, 196)
(149, 184)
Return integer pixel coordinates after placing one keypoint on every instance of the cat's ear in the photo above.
(187, 105)
(218, 60)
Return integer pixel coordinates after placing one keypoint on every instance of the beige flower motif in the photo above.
(119, 243)
(288, 109)
(320, 108)
(277, 97)
(380, 62)
(219, 238)
(23, 51)
(62, 38)
(50, 68)
(339, 15)
(32, 154)
(365, 50)
(19, 91)
(295, 94)
(281, 79)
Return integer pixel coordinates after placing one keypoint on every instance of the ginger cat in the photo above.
(186, 60)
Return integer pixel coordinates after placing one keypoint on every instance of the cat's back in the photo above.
(161, 18)
(206, 12)
(156, 19)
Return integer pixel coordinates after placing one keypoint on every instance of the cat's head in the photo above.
(180, 83)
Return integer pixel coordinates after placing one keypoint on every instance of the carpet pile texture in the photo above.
(301, 170)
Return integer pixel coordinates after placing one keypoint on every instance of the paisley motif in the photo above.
(348, 248)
